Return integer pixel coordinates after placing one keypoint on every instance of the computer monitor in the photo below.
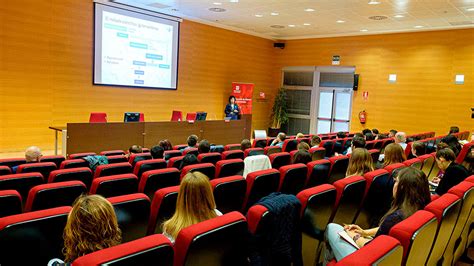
(201, 116)
(131, 117)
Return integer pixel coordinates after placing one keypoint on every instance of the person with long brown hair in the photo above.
(359, 163)
(410, 193)
(91, 225)
(393, 153)
(195, 204)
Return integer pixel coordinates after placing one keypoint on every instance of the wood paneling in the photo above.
(46, 73)
(424, 98)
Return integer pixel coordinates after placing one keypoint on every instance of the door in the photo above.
(334, 110)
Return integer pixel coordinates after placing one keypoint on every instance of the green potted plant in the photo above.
(279, 115)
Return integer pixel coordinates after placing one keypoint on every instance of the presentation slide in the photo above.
(134, 49)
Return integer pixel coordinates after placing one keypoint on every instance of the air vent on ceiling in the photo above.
(378, 17)
(460, 23)
(158, 5)
(217, 9)
(277, 26)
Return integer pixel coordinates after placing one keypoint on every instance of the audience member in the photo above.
(188, 159)
(401, 139)
(341, 135)
(418, 148)
(32, 155)
(302, 156)
(393, 153)
(279, 140)
(410, 194)
(382, 136)
(91, 226)
(299, 136)
(392, 133)
(375, 132)
(468, 162)
(303, 146)
(192, 141)
(453, 172)
(369, 136)
(357, 142)
(195, 204)
(360, 162)
(204, 146)
(453, 130)
(166, 145)
(315, 141)
(157, 152)
(245, 144)
(366, 130)
(453, 143)
(134, 149)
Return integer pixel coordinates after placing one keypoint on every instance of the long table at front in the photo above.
(97, 137)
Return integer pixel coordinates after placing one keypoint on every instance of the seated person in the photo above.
(341, 135)
(315, 141)
(376, 133)
(195, 204)
(279, 140)
(401, 139)
(245, 144)
(134, 149)
(166, 145)
(393, 153)
(453, 172)
(369, 136)
(299, 136)
(204, 146)
(357, 142)
(453, 143)
(188, 159)
(32, 155)
(157, 152)
(360, 163)
(91, 226)
(366, 130)
(302, 156)
(410, 194)
(303, 146)
(192, 141)
(391, 133)
(418, 148)
(453, 130)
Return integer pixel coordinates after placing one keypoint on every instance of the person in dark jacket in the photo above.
(232, 110)
(453, 173)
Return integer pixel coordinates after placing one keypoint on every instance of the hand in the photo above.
(355, 228)
(236, 111)
(436, 180)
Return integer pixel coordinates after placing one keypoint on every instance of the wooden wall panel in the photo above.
(424, 98)
(46, 73)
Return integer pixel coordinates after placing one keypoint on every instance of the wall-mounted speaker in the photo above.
(356, 82)
(280, 45)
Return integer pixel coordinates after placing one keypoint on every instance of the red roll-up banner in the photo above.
(243, 94)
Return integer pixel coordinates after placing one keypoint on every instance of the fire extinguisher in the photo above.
(362, 117)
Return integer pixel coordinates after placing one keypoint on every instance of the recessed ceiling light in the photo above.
(364, 30)
(470, 9)
(418, 27)
(291, 25)
(217, 3)
(274, 13)
(234, 1)
(306, 24)
(259, 15)
(340, 21)
(309, 9)
(399, 16)
(374, 2)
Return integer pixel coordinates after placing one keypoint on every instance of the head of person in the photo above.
(369, 136)
(360, 162)
(91, 226)
(188, 159)
(341, 135)
(382, 136)
(281, 136)
(166, 145)
(245, 144)
(444, 157)
(232, 99)
(157, 152)
(204, 146)
(365, 131)
(315, 140)
(192, 140)
(400, 137)
(358, 142)
(469, 160)
(394, 154)
(33, 154)
(453, 143)
(303, 146)
(302, 156)
(195, 204)
(418, 148)
(375, 131)
(299, 136)
(411, 192)
(453, 130)
(358, 134)
(391, 133)
(135, 149)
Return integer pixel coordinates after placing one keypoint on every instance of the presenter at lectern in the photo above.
(232, 110)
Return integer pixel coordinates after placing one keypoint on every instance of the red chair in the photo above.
(293, 178)
(10, 203)
(194, 151)
(383, 250)
(229, 193)
(11, 162)
(318, 172)
(317, 206)
(83, 174)
(21, 182)
(415, 233)
(163, 207)
(231, 147)
(56, 159)
(408, 149)
(229, 167)
(5, 170)
(133, 212)
(148, 165)
(427, 161)
(138, 252)
(415, 162)
(375, 154)
(141, 118)
(145, 150)
(339, 166)
(271, 150)
(117, 159)
(369, 145)
(32, 238)
(350, 195)
(112, 152)
(179, 147)
(98, 118)
(260, 184)
(317, 153)
(135, 157)
(259, 143)
(280, 159)
(177, 116)
(171, 154)
(53, 195)
(233, 154)
(73, 163)
(191, 117)
(80, 155)
(112, 169)
(289, 145)
(175, 162)
(218, 241)
(206, 168)
(253, 151)
(393, 169)
(153, 180)
(462, 154)
(43, 168)
(211, 157)
(115, 185)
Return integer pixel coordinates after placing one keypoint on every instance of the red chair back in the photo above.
(98, 118)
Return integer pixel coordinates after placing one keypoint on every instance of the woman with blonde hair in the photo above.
(91, 225)
(359, 163)
(195, 204)
(393, 154)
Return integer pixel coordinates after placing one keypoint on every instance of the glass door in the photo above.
(334, 112)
